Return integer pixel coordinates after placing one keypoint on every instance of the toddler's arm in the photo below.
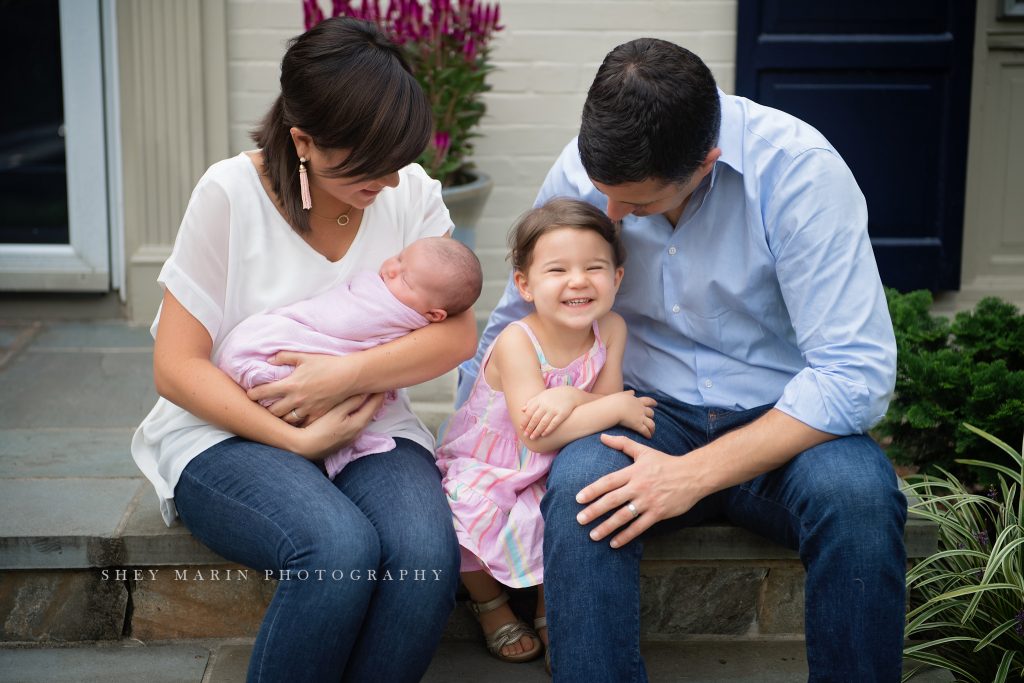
(521, 379)
(544, 412)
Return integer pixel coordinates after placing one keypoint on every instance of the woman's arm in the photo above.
(184, 375)
(516, 363)
(320, 382)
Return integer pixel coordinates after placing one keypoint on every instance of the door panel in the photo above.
(45, 254)
(889, 85)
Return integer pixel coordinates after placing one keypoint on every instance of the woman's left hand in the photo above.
(318, 383)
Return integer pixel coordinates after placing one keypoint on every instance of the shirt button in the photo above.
(708, 384)
(672, 250)
(675, 309)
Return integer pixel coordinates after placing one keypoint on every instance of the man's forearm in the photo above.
(748, 452)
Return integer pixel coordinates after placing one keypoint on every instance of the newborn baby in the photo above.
(429, 280)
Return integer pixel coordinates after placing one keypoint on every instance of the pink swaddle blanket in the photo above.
(347, 318)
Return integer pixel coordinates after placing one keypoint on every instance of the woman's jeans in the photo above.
(838, 503)
(367, 564)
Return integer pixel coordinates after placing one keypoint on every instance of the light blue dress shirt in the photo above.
(766, 291)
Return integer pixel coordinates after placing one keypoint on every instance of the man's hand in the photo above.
(658, 485)
(661, 486)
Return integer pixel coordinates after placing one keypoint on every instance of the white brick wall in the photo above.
(546, 58)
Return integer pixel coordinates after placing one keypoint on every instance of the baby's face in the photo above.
(415, 280)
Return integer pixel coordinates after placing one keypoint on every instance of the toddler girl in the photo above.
(548, 379)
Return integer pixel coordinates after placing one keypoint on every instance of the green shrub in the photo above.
(967, 599)
(948, 373)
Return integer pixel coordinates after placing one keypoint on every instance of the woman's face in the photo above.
(358, 193)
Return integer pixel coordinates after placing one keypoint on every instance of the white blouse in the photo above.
(235, 256)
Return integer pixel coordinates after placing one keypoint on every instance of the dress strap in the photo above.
(536, 344)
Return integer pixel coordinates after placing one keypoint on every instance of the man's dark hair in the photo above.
(349, 87)
(652, 112)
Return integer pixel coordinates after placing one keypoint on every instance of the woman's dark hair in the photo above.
(349, 87)
(560, 212)
(652, 112)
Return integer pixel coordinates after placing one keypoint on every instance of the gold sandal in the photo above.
(538, 624)
(506, 634)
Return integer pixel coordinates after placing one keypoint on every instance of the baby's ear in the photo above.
(436, 315)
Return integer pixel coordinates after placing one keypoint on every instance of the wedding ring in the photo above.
(295, 415)
(632, 509)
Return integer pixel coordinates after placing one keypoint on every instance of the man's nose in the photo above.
(618, 210)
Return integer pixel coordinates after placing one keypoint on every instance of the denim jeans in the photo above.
(838, 504)
(385, 513)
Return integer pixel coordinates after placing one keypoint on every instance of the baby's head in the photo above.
(435, 276)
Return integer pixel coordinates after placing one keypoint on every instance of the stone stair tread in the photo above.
(226, 660)
(119, 524)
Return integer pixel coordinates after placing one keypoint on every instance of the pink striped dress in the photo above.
(494, 483)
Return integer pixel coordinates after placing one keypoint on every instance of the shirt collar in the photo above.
(730, 138)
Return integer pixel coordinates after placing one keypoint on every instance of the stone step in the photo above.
(226, 661)
(152, 582)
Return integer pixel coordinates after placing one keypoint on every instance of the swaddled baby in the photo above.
(426, 282)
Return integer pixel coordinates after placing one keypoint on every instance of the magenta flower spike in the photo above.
(311, 13)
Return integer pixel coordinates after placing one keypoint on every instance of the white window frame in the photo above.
(84, 264)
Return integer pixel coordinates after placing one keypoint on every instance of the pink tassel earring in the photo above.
(307, 200)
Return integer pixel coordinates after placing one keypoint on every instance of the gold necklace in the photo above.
(341, 220)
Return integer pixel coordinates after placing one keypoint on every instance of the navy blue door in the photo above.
(889, 84)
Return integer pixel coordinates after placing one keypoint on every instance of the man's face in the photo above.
(654, 196)
(647, 198)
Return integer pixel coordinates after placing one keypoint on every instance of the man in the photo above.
(758, 322)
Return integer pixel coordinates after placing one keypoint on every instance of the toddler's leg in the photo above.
(483, 588)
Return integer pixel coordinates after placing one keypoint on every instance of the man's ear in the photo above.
(709, 160)
(302, 140)
(436, 315)
(519, 278)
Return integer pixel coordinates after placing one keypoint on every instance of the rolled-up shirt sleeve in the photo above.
(816, 224)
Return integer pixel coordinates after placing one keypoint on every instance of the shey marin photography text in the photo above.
(232, 574)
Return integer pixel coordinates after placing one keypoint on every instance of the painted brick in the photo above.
(530, 109)
(252, 76)
(259, 45)
(639, 16)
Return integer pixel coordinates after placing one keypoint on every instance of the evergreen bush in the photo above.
(970, 369)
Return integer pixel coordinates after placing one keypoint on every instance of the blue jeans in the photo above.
(838, 504)
(385, 513)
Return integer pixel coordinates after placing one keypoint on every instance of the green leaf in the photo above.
(995, 633)
(1004, 666)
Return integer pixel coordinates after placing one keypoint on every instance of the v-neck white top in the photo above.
(235, 256)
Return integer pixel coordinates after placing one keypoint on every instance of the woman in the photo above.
(331, 192)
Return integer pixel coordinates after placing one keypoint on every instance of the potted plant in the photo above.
(447, 45)
(967, 599)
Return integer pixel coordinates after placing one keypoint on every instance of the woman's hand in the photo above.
(637, 412)
(318, 384)
(544, 412)
(338, 427)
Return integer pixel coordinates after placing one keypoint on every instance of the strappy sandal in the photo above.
(506, 634)
(538, 624)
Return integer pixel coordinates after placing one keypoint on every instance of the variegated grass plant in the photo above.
(967, 599)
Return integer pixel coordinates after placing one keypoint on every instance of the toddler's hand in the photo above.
(544, 412)
(637, 413)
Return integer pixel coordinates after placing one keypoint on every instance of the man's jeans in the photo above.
(838, 503)
(331, 620)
